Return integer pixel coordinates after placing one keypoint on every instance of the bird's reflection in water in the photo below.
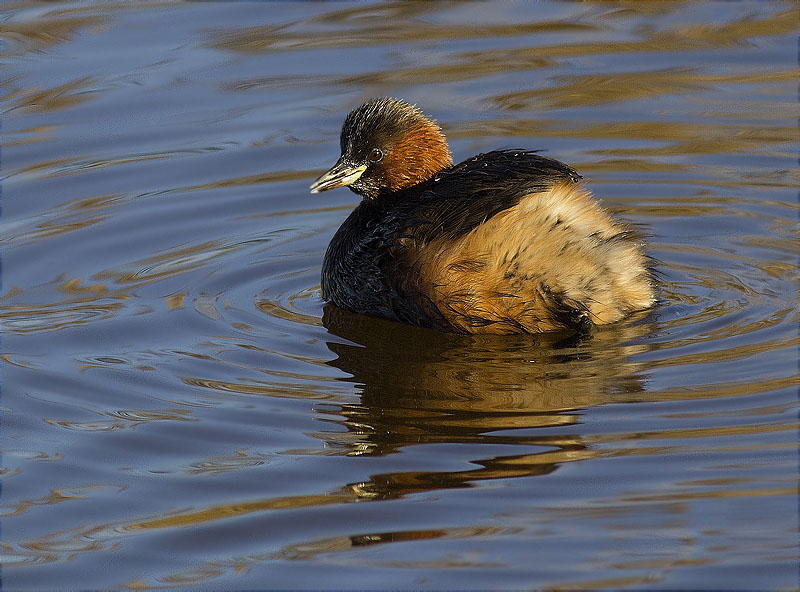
(424, 387)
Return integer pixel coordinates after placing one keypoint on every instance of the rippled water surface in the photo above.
(179, 409)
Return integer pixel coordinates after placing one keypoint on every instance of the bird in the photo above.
(508, 241)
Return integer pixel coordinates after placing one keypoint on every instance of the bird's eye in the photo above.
(376, 155)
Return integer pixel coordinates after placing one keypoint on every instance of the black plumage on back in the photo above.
(469, 193)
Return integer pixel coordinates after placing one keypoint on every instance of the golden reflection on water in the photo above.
(370, 25)
(26, 320)
(55, 98)
(597, 89)
(421, 387)
(42, 33)
(56, 496)
(373, 25)
(676, 137)
(278, 390)
(124, 419)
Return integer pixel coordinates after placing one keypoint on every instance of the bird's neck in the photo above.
(418, 156)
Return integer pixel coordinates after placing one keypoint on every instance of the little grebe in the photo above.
(504, 242)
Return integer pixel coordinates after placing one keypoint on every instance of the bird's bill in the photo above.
(342, 174)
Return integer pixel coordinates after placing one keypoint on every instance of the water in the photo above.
(179, 409)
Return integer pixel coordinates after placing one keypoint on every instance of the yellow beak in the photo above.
(342, 174)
